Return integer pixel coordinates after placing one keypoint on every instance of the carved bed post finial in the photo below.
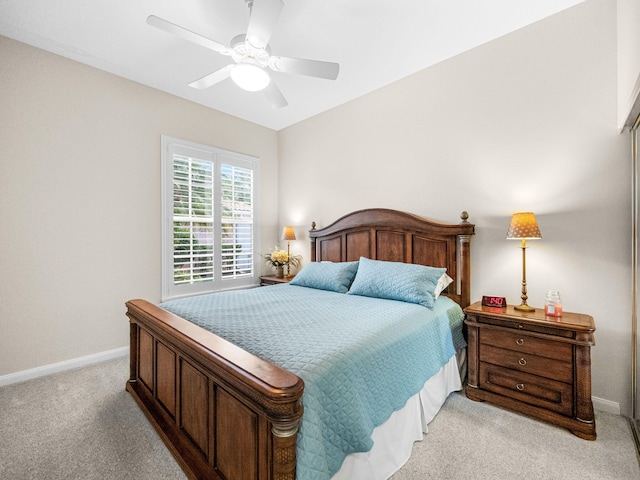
(313, 242)
(464, 216)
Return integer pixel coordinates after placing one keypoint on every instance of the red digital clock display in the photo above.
(491, 301)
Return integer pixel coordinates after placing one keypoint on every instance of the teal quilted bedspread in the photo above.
(361, 358)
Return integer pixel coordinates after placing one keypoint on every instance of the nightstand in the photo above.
(273, 280)
(533, 364)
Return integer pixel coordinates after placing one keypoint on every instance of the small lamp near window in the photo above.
(524, 227)
(288, 233)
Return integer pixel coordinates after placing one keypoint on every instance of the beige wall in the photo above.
(80, 200)
(526, 122)
(628, 57)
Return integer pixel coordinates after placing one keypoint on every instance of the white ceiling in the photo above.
(375, 42)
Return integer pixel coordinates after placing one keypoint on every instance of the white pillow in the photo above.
(443, 282)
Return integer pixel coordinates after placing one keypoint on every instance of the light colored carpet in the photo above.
(83, 425)
(476, 441)
(80, 424)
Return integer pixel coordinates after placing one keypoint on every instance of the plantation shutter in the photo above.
(208, 219)
(193, 244)
(237, 221)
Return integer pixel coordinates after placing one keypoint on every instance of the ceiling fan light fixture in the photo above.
(250, 77)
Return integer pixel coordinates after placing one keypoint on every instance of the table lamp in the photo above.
(288, 233)
(523, 226)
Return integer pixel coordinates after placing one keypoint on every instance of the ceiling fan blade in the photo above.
(300, 66)
(213, 78)
(274, 95)
(264, 16)
(187, 34)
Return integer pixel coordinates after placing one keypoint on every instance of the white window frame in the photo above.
(174, 146)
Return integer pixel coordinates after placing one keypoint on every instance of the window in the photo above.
(208, 219)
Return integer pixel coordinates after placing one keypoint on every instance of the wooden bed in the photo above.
(227, 414)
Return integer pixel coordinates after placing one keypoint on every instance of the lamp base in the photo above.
(524, 308)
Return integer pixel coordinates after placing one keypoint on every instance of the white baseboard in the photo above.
(62, 366)
(606, 405)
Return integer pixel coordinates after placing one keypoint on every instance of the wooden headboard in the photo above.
(391, 235)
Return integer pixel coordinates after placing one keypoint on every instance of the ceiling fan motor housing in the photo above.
(243, 52)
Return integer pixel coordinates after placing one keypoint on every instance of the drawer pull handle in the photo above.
(522, 362)
(520, 341)
(520, 325)
(520, 386)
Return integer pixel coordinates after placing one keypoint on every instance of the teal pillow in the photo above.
(396, 281)
(336, 277)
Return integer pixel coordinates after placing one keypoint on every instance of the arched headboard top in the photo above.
(386, 217)
(392, 235)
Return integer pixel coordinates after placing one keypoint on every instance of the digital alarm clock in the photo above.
(491, 301)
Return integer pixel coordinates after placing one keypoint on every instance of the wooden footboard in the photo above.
(223, 413)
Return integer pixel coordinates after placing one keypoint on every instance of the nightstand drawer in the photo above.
(273, 280)
(521, 342)
(526, 327)
(538, 391)
(528, 363)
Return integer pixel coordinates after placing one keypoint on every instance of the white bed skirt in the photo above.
(393, 440)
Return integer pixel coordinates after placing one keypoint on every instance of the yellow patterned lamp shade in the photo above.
(523, 226)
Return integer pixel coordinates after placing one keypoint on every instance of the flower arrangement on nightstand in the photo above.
(279, 259)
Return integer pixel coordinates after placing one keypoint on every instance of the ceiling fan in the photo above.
(251, 54)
